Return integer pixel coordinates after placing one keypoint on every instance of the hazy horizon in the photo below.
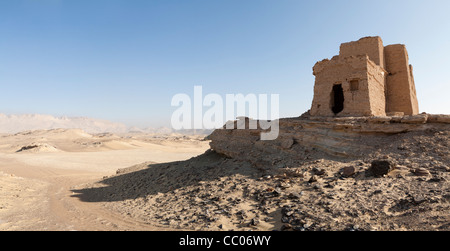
(123, 61)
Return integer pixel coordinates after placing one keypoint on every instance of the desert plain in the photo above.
(321, 174)
(39, 171)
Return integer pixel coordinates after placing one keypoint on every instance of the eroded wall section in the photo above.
(400, 89)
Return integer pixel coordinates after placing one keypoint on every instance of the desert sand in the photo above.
(356, 174)
(352, 174)
(40, 169)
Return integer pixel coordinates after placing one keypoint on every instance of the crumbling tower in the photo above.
(366, 79)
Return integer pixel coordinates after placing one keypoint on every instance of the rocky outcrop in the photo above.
(349, 137)
(321, 174)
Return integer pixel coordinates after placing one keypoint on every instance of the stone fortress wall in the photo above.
(365, 79)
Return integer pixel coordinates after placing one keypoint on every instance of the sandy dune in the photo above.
(39, 170)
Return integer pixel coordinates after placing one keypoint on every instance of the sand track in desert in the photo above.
(36, 185)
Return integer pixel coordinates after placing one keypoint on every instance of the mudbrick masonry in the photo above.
(365, 79)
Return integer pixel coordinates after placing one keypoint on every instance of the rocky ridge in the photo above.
(379, 173)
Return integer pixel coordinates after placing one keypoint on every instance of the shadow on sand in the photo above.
(150, 179)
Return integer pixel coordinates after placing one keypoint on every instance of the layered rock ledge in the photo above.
(321, 174)
(338, 137)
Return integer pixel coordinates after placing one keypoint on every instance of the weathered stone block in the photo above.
(438, 118)
(379, 168)
(416, 119)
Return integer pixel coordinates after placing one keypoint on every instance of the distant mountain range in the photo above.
(28, 122)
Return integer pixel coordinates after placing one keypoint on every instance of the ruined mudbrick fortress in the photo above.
(366, 79)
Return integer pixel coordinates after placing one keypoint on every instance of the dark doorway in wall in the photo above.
(337, 99)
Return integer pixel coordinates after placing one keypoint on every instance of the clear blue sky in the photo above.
(124, 60)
